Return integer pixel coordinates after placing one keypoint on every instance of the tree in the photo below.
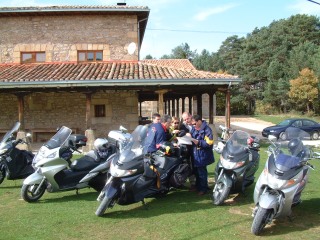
(180, 52)
(148, 57)
(203, 61)
(304, 89)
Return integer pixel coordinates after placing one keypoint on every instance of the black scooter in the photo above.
(135, 175)
(14, 162)
(239, 160)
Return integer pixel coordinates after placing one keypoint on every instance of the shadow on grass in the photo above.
(179, 201)
(304, 216)
(67, 196)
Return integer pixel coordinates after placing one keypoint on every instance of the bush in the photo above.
(264, 108)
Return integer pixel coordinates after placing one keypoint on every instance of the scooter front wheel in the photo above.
(260, 220)
(31, 193)
(105, 203)
(221, 193)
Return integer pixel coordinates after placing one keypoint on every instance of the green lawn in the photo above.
(278, 118)
(179, 215)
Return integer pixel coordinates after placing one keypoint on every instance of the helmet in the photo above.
(102, 146)
(166, 148)
(295, 146)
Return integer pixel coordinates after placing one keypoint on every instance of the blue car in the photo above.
(307, 125)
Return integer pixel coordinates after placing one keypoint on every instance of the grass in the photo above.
(278, 118)
(179, 215)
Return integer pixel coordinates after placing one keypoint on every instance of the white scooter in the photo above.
(55, 172)
(285, 175)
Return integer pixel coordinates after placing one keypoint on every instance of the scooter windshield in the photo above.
(14, 129)
(136, 146)
(60, 138)
(289, 154)
(285, 162)
(237, 144)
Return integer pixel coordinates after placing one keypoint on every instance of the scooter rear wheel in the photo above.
(2, 173)
(105, 203)
(260, 220)
(28, 192)
(221, 193)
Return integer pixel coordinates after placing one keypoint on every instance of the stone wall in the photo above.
(62, 36)
(50, 110)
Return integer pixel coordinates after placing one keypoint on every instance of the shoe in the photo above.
(201, 193)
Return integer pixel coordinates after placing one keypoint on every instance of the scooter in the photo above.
(239, 160)
(14, 162)
(285, 175)
(54, 170)
(135, 175)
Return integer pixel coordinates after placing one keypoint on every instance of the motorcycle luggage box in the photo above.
(78, 140)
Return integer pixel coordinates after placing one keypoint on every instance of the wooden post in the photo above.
(88, 110)
(173, 107)
(211, 121)
(199, 104)
(21, 111)
(183, 104)
(160, 101)
(228, 108)
(177, 111)
(190, 105)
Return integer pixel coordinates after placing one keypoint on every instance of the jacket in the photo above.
(156, 135)
(203, 152)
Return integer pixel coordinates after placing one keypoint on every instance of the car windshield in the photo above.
(285, 123)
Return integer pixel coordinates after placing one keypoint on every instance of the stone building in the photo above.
(79, 66)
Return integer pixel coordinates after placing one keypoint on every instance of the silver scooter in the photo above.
(55, 172)
(283, 178)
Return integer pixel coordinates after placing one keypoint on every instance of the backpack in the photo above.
(180, 175)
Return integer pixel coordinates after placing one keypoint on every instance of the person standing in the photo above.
(156, 133)
(186, 126)
(202, 152)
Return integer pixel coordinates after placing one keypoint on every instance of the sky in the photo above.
(202, 24)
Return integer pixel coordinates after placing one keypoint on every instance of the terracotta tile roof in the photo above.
(67, 8)
(15, 73)
(176, 63)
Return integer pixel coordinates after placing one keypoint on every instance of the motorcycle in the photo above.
(239, 160)
(14, 162)
(135, 175)
(55, 172)
(283, 179)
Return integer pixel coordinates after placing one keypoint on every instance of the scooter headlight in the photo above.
(276, 183)
(116, 172)
(230, 165)
(2, 151)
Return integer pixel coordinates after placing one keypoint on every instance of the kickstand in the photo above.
(77, 191)
(144, 205)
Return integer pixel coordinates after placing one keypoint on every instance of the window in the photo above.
(33, 57)
(99, 111)
(89, 56)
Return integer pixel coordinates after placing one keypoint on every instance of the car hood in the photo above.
(268, 129)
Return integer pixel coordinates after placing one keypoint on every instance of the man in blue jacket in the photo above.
(202, 152)
(156, 133)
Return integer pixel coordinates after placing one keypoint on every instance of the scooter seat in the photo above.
(85, 163)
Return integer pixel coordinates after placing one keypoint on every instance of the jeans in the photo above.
(201, 178)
